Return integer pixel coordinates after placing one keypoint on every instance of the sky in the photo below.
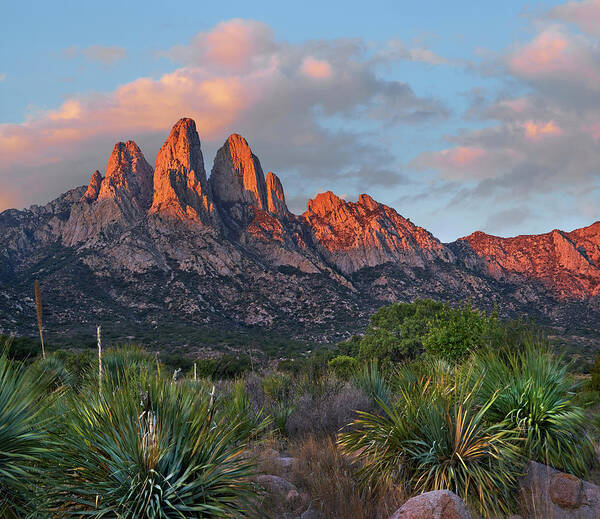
(462, 115)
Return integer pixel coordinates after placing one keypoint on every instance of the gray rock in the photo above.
(546, 492)
(439, 504)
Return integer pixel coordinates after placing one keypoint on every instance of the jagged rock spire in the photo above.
(91, 193)
(128, 176)
(180, 186)
(275, 196)
(237, 176)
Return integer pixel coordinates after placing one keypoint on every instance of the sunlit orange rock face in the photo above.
(366, 233)
(128, 176)
(237, 176)
(180, 186)
(91, 193)
(568, 263)
(114, 203)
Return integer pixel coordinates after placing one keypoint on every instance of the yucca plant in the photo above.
(24, 445)
(436, 437)
(237, 406)
(372, 382)
(534, 398)
(52, 373)
(151, 449)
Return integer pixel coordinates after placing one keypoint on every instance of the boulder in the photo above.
(439, 504)
(283, 498)
(546, 492)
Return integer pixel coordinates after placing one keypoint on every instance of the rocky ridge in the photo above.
(141, 246)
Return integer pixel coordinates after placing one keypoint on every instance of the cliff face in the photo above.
(138, 246)
(567, 263)
(367, 234)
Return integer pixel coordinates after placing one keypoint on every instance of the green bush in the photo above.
(343, 367)
(396, 331)
(456, 332)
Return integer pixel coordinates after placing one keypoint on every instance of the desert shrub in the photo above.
(343, 366)
(436, 437)
(595, 374)
(277, 386)
(237, 406)
(325, 413)
(534, 398)
(396, 331)
(330, 478)
(164, 452)
(456, 332)
(224, 367)
(24, 445)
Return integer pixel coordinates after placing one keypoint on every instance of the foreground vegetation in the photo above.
(429, 397)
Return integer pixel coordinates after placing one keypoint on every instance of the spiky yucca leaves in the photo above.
(237, 406)
(436, 437)
(52, 373)
(158, 453)
(535, 399)
(23, 442)
(372, 382)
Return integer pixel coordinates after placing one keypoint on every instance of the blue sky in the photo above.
(460, 115)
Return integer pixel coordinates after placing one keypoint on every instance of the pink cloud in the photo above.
(316, 69)
(144, 105)
(536, 131)
(557, 56)
(585, 14)
(233, 45)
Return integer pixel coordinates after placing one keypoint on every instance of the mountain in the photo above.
(161, 254)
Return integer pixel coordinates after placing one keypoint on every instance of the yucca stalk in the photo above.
(38, 307)
(99, 359)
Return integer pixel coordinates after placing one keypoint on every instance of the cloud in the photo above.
(2, 77)
(558, 58)
(233, 78)
(396, 50)
(316, 69)
(536, 143)
(104, 54)
(585, 14)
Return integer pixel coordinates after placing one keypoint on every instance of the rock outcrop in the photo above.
(567, 263)
(275, 196)
(238, 182)
(128, 177)
(354, 235)
(115, 203)
(181, 189)
(546, 492)
(438, 504)
(91, 193)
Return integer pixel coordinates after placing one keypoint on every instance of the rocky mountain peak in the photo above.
(93, 188)
(324, 203)
(180, 184)
(275, 196)
(237, 176)
(128, 175)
